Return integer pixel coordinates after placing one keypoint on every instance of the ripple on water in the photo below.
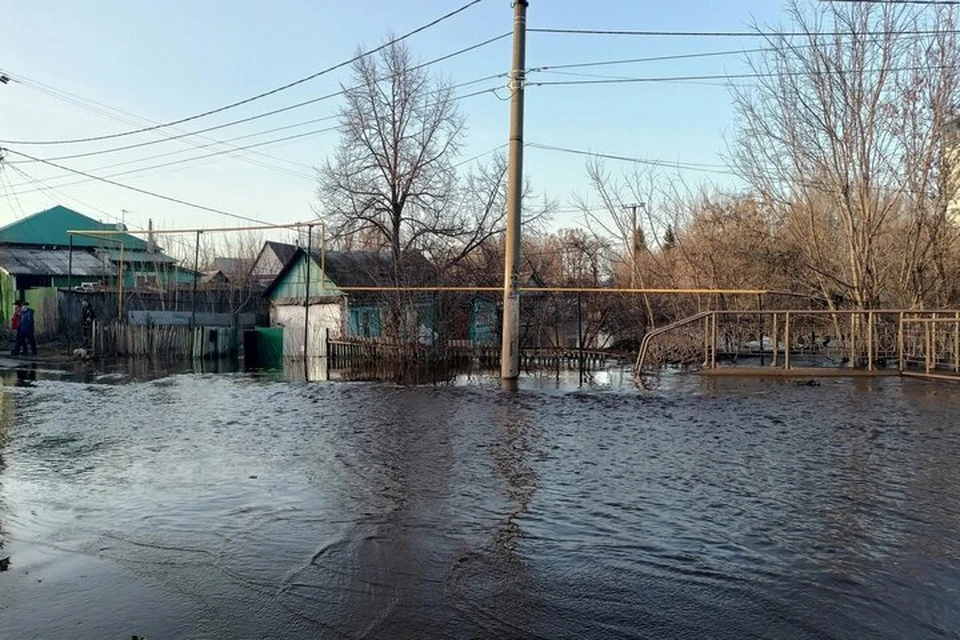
(728, 509)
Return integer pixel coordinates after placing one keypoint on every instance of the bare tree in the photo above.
(630, 216)
(391, 182)
(842, 138)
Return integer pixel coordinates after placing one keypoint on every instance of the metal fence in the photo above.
(872, 341)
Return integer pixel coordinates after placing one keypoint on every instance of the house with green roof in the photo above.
(62, 248)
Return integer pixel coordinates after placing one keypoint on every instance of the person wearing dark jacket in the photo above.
(25, 335)
(15, 319)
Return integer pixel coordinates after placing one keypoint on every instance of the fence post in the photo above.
(706, 342)
(929, 337)
(786, 341)
(853, 339)
(760, 326)
(869, 340)
(775, 338)
(901, 355)
(956, 343)
(713, 340)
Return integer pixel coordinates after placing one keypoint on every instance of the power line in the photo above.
(258, 96)
(679, 56)
(154, 194)
(183, 161)
(222, 152)
(51, 192)
(232, 149)
(79, 102)
(132, 119)
(689, 56)
(480, 155)
(328, 96)
(689, 166)
(934, 2)
(289, 108)
(737, 34)
(731, 76)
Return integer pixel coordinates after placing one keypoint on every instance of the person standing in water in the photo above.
(25, 329)
(15, 320)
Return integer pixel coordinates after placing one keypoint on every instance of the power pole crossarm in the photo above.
(510, 345)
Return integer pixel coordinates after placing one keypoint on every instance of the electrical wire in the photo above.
(481, 155)
(244, 120)
(682, 166)
(731, 76)
(51, 193)
(181, 163)
(927, 2)
(78, 101)
(681, 56)
(258, 96)
(154, 194)
(272, 112)
(224, 152)
(736, 34)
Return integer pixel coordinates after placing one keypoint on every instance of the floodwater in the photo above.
(241, 506)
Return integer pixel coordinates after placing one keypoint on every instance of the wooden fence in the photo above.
(163, 342)
(364, 352)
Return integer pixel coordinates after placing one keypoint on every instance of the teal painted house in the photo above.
(338, 307)
(316, 281)
(39, 256)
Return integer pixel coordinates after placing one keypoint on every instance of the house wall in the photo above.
(67, 282)
(8, 295)
(483, 322)
(951, 153)
(291, 318)
(293, 286)
(164, 274)
(45, 310)
(364, 321)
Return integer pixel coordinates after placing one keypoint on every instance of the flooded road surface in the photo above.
(232, 506)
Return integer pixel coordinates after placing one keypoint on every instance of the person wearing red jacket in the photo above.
(15, 319)
(25, 337)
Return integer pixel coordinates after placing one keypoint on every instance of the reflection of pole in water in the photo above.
(510, 457)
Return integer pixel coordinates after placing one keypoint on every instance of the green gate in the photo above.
(263, 348)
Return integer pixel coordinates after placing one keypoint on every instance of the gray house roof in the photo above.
(232, 266)
(360, 268)
(357, 268)
(136, 256)
(25, 261)
(282, 250)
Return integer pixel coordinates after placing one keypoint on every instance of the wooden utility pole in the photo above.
(306, 307)
(510, 345)
(633, 241)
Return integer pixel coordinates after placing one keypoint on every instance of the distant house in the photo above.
(951, 156)
(39, 256)
(271, 260)
(337, 302)
(225, 271)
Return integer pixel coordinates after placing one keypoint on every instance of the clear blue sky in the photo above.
(165, 60)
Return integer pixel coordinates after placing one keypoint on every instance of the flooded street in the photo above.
(237, 506)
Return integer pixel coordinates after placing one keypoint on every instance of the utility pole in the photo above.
(510, 345)
(306, 306)
(633, 241)
(151, 240)
(193, 309)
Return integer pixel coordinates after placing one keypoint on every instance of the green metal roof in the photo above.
(49, 229)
